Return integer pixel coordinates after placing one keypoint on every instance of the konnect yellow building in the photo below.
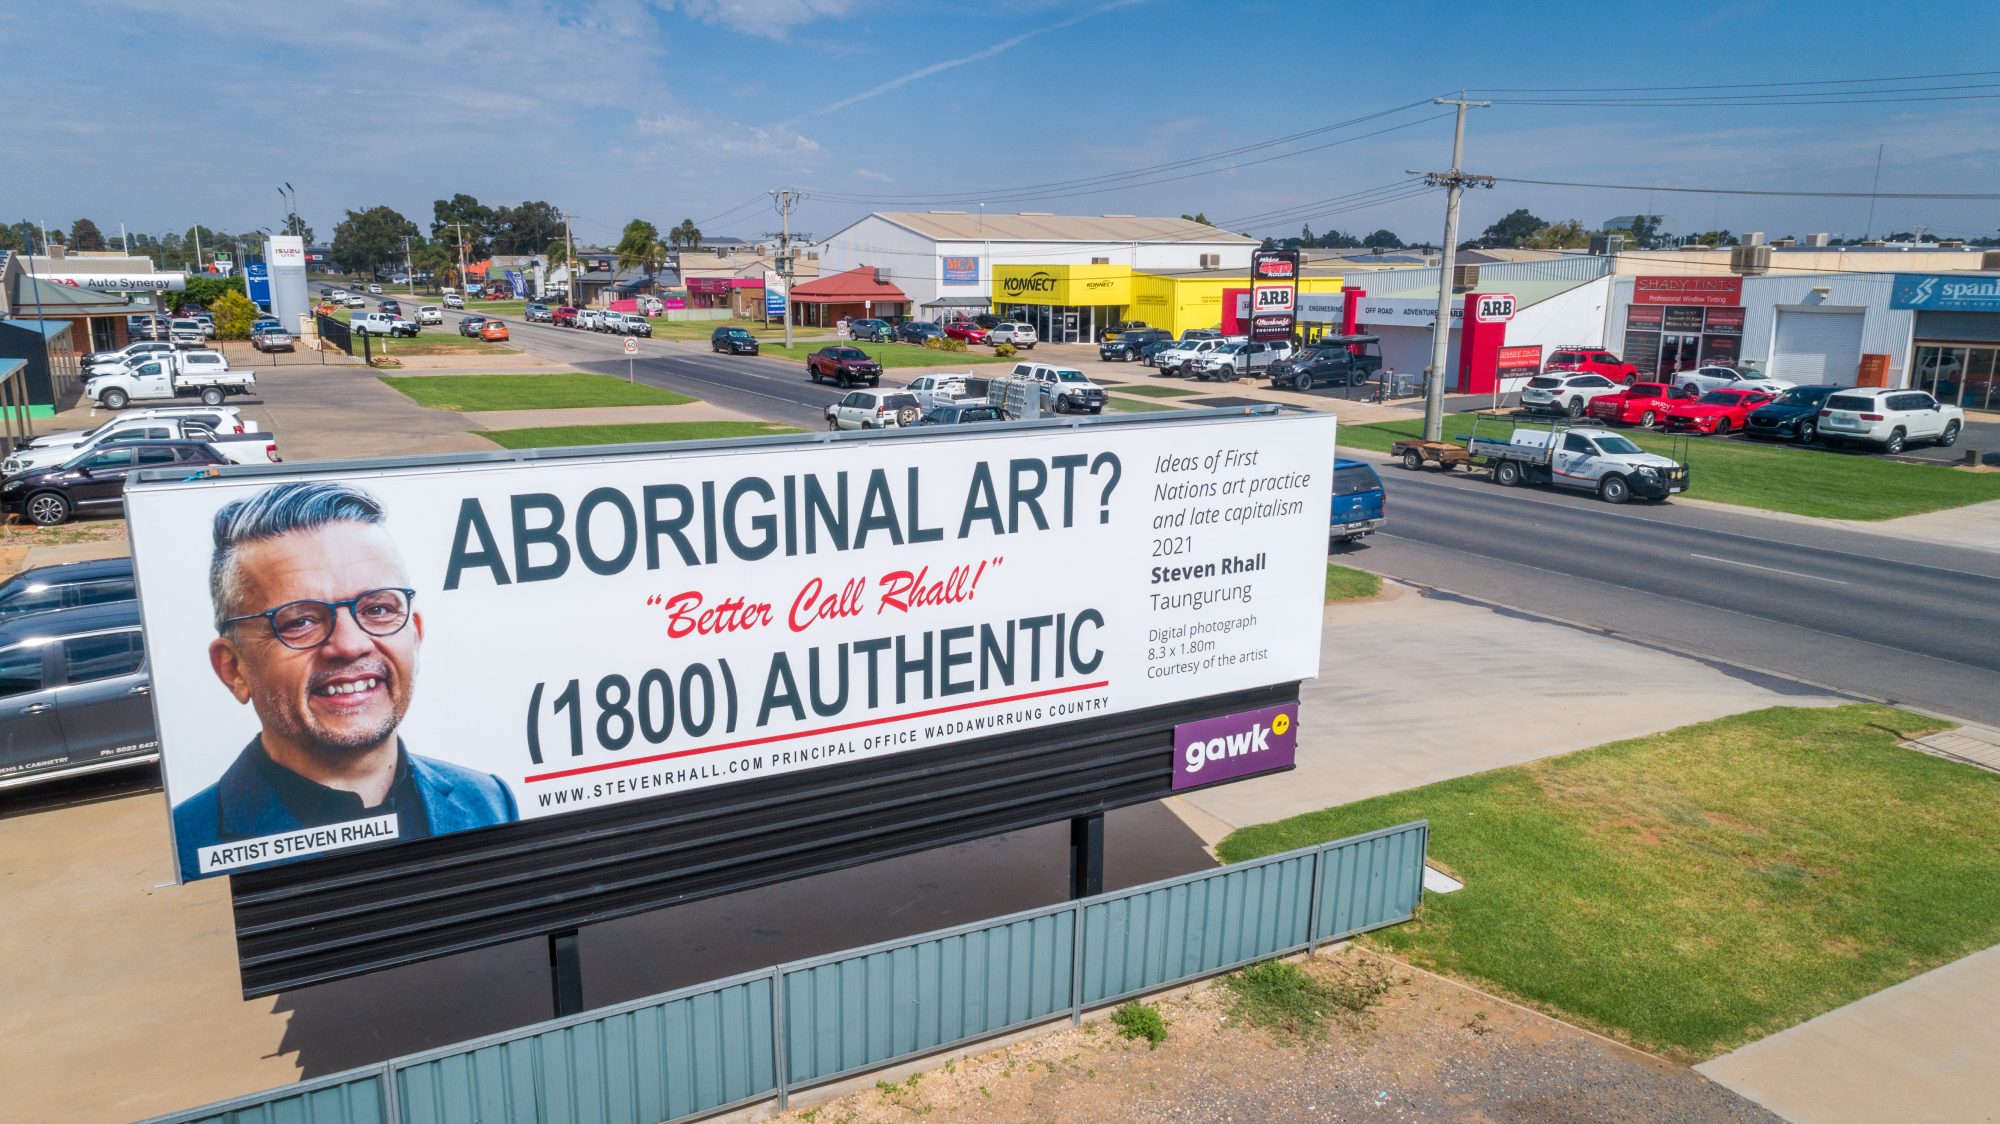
(1073, 303)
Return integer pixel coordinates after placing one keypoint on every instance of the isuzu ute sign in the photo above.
(363, 656)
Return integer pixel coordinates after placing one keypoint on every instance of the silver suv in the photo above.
(1889, 419)
(874, 409)
(1014, 332)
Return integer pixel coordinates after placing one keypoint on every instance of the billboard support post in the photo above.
(566, 973)
(1086, 856)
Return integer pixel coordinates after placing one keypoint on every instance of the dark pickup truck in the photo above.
(1329, 361)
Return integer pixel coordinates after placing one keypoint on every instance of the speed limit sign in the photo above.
(631, 346)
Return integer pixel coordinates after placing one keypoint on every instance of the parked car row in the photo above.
(600, 320)
(1886, 418)
(57, 476)
(75, 693)
(984, 328)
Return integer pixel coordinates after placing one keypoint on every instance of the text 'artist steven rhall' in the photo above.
(317, 631)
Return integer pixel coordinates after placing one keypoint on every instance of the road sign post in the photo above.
(631, 349)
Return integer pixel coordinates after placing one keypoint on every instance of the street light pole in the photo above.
(1454, 182)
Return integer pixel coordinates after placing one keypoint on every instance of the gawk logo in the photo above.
(1256, 739)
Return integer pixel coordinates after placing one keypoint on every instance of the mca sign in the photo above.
(1935, 293)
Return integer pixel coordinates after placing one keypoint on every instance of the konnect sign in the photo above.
(373, 655)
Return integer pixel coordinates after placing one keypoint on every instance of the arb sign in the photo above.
(365, 656)
(1274, 285)
(1494, 308)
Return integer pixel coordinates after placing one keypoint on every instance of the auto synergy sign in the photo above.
(121, 282)
(1964, 293)
(424, 650)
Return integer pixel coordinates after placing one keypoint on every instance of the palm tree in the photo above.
(690, 234)
(438, 260)
(559, 258)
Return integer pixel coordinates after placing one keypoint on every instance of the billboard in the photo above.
(1945, 294)
(774, 293)
(379, 655)
(1518, 361)
(118, 282)
(257, 283)
(960, 270)
(1695, 291)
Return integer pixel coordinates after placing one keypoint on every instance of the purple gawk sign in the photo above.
(1235, 745)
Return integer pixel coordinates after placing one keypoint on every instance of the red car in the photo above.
(965, 330)
(1595, 360)
(563, 317)
(1642, 403)
(1717, 412)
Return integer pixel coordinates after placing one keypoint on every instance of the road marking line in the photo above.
(1767, 569)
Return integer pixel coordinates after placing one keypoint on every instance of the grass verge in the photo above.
(1119, 405)
(890, 355)
(557, 436)
(1154, 390)
(664, 329)
(475, 393)
(1344, 583)
(1775, 477)
(1704, 887)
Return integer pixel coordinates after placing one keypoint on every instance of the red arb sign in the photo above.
(1274, 278)
(1494, 308)
(1703, 292)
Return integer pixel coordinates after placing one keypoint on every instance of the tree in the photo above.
(1646, 231)
(233, 315)
(1716, 238)
(527, 228)
(436, 259)
(205, 292)
(367, 239)
(1198, 217)
(477, 219)
(296, 226)
(84, 235)
(11, 240)
(559, 258)
(686, 235)
(1382, 240)
(640, 245)
(1565, 235)
(1512, 229)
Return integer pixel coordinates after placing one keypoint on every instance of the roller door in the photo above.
(1813, 346)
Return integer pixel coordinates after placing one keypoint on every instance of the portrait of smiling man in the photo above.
(318, 631)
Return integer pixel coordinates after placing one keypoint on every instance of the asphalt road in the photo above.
(1914, 623)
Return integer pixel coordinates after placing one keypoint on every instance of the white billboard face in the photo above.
(421, 651)
(286, 256)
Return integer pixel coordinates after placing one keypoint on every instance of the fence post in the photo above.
(780, 1064)
(566, 972)
(1086, 855)
(1312, 918)
(392, 1098)
(1076, 967)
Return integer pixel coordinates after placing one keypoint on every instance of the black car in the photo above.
(962, 413)
(733, 341)
(67, 585)
(95, 481)
(917, 331)
(1793, 417)
(989, 321)
(1330, 361)
(875, 331)
(75, 696)
(1127, 345)
(1152, 350)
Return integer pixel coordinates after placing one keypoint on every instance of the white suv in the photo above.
(1232, 361)
(1065, 390)
(874, 409)
(1181, 359)
(1012, 331)
(1888, 418)
(1701, 380)
(1565, 392)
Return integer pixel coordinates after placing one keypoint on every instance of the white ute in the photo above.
(1590, 460)
(202, 374)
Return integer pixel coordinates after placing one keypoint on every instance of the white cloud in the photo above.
(772, 19)
(869, 174)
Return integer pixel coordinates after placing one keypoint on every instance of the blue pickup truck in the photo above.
(1357, 500)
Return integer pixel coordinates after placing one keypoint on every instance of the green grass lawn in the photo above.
(496, 308)
(664, 329)
(1772, 476)
(557, 436)
(888, 354)
(1119, 405)
(433, 340)
(473, 393)
(1701, 888)
(1344, 583)
(1154, 390)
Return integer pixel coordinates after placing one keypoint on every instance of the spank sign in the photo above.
(470, 644)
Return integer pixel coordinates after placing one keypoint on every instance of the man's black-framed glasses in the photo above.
(308, 623)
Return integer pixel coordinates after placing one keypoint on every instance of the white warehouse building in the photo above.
(1072, 275)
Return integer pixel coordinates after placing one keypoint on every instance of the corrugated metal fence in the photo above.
(737, 1041)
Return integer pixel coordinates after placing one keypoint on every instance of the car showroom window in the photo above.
(20, 670)
(103, 656)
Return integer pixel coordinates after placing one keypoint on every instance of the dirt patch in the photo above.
(1420, 1048)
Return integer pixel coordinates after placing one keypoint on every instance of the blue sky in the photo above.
(164, 115)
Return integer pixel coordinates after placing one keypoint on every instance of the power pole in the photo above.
(786, 198)
(409, 268)
(570, 286)
(1454, 182)
(458, 229)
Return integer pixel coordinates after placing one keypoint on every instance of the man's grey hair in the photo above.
(277, 511)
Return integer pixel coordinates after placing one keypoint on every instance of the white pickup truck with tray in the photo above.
(195, 374)
(1585, 458)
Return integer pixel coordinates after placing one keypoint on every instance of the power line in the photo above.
(1732, 85)
(1935, 195)
(1697, 103)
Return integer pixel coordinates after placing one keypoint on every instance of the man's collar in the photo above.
(251, 790)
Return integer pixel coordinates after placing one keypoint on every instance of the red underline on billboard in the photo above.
(747, 742)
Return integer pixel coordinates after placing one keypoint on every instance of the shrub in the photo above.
(1141, 1020)
(1003, 351)
(948, 343)
(934, 343)
(233, 315)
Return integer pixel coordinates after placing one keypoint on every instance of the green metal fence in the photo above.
(758, 1036)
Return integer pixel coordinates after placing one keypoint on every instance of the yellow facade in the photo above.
(1074, 285)
(1179, 303)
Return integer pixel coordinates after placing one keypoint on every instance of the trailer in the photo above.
(1565, 455)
